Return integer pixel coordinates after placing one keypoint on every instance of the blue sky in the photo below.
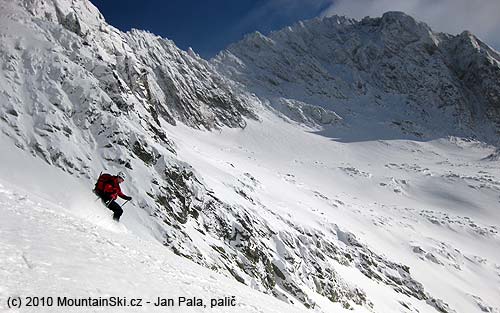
(207, 26)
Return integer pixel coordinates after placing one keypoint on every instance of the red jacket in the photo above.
(112, 188)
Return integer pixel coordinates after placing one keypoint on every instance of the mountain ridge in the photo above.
(343, 62)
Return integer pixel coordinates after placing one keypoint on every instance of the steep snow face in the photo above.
(74, 94)
(50, 248)
(86, 98)
(388, 72)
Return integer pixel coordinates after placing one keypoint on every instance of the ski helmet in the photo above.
(121, 175)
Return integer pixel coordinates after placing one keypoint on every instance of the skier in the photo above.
(108, 189)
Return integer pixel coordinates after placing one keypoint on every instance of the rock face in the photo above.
(344, 65)
(478, 68)
(129, 70)
(84, 96)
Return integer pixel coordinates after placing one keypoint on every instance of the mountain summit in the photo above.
(324, 70)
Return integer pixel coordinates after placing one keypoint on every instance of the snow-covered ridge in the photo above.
(133, 69)
(392, 64)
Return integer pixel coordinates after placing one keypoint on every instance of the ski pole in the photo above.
(125, 203)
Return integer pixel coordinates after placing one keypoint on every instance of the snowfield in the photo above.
(433, 206)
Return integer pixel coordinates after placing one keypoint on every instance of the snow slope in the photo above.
(435, 236)
(432, 206)
(52, 248)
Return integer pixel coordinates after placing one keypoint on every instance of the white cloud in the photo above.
(481, 17)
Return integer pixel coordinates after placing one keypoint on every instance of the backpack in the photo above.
(102, 181)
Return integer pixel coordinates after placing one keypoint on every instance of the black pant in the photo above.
(115, 207)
